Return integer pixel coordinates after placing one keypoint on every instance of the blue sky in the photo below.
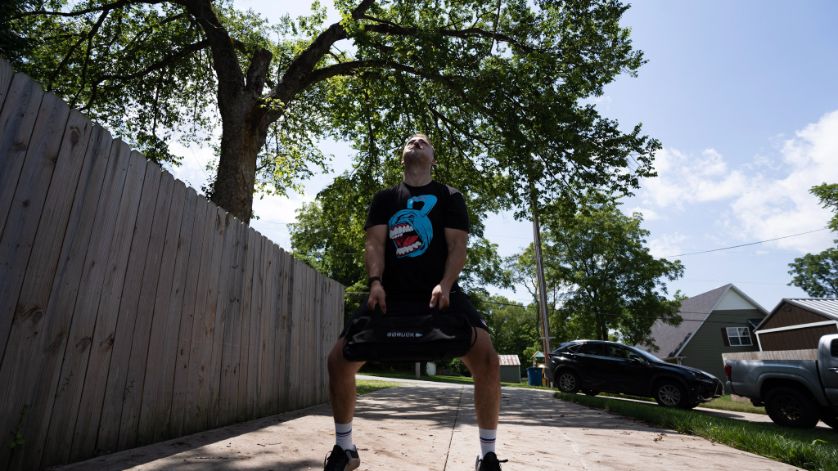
(744, 97)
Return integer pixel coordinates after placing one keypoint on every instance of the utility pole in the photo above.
(542, 285)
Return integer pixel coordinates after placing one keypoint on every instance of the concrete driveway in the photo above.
(431, 426)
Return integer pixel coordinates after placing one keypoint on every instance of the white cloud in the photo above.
(771, 208)
(765, 199)
(667, 245)
(193, 167)
(684, 179)
(275, 213)
(647, 213)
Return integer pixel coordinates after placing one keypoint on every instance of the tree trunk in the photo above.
(243, 135)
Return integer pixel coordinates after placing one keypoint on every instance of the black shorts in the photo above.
(458, 302)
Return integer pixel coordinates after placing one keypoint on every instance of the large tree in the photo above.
(601, 278)
(817, 274)
(500, 86)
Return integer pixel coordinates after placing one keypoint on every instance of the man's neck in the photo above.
(417, 177)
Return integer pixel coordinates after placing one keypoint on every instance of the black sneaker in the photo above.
(342, 460)
(489, 462)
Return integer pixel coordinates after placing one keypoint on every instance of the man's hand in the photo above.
(439, 297)
(377, 297)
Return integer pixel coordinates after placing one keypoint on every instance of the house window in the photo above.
(738, 336)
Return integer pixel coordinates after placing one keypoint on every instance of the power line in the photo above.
(746, 245)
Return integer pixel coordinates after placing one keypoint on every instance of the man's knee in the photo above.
(482, 357)
(335, 361)
(338, 365)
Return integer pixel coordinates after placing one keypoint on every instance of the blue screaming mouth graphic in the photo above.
(410, 229)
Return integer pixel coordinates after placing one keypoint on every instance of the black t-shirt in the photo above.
(416, 250)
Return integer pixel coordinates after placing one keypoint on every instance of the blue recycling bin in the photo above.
(534, 376)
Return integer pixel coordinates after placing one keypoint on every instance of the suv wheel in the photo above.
(670, 394)
(791, 407)
(567, 381)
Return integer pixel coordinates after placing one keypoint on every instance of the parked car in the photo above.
(594, 366)
(796, 393)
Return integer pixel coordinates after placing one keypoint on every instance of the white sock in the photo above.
(487, 440)
(343, 436)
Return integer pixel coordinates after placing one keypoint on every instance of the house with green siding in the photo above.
(719, 321)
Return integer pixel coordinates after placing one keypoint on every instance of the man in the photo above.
(416, 236)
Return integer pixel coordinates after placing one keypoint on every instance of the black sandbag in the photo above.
(429, 335)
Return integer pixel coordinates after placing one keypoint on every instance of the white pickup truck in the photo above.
(795, 392)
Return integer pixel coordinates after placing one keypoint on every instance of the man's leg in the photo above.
(344, 455)
(342, 383)
(482, 361)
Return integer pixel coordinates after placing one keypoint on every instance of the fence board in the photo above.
(298, 331)
(254, 345)
(226, 277)
(200, 358)
(57, 313)
(55, 216)
(22, 371)
(241, 403)
(154, 270)
(16, 124)
(77, 351)
(314, 336)
(162, 353)
(6, 74)
(231, 338)
(198, 253)
(90, 406)
(296, 285)
(28, 200)
(267, 386)
(283, 333)
(115, 388)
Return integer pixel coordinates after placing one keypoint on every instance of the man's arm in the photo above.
(374, 259)
(455, 261)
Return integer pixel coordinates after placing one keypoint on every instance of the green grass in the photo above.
(366, 386)
(727, 402)
(813, 449)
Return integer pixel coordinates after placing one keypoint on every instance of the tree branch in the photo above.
(162, 63)
(302, 66)
(224, 59)
(386, 27)
(108, 6)
(257, 73)
(73, 48)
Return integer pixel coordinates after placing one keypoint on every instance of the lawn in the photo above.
(813, 449)
(366, 386)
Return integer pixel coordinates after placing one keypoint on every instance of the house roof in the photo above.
(694, 311)
(509, 360)
(826, 307)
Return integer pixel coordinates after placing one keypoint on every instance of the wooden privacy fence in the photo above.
(132, 309)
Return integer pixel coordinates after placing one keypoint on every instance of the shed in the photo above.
(798, 323)
(510, 368)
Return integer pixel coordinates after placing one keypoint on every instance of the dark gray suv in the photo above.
(594, 366)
